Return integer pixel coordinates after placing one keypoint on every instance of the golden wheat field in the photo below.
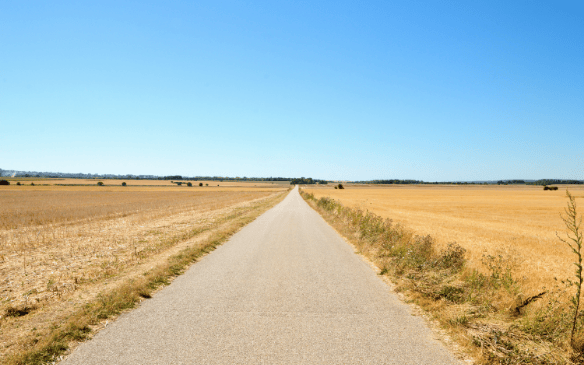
(60, 246)
(518, 222)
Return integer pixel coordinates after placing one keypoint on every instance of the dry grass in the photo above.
(61, 246)
(27, 207)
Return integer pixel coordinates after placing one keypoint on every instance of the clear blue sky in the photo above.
(354, 90)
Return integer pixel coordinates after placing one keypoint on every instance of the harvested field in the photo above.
(517, 222)
(36, 206)
(62, 246)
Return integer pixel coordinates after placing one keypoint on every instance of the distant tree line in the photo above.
(556, 181)
(510, 182)
(307, 181)
(500, 182)
(302, 180)
(392, 181)
(69, 175)
(224, 178)
(80, 175)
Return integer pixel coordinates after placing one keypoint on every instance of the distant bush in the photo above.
(206, 184)
(124, 183)
(550, 188)
(200, 184)
(189, 184)
(18, 183)
(32, 183)
(340, 186)
(99, 183)
(4, 182)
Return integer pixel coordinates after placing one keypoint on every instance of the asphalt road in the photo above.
(284, 290)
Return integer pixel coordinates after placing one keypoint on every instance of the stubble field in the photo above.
(517, 222)
(61, 247)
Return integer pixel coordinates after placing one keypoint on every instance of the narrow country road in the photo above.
(286, 289)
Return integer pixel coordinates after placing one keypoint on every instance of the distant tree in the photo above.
(32, 183)
(189, 184)
(341, 186)
(124, 183)
(200, 184)
(4, 182)
(99, 183)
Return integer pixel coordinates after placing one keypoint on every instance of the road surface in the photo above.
(286, 289)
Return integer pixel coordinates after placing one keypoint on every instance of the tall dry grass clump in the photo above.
(488, 309)
(573, 240)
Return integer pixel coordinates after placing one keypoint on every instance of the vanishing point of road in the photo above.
(286, 289)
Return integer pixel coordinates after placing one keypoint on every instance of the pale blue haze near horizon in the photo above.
(344, 90)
